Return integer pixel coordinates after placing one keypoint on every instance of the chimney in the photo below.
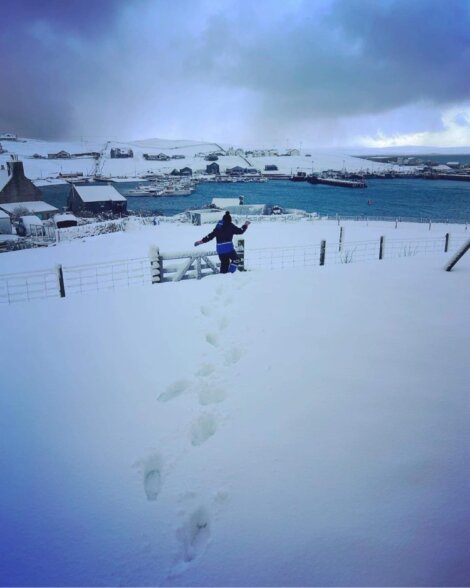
(15, 168)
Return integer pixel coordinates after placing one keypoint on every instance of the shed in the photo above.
(206, 215)
(30, 225)
(96, 199)
(5, 223)
(223, 203)
(41, 209)
(65, 220)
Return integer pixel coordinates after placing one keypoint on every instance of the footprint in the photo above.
(213, 339)
(211, 394)
(206, 310)
(152, 477)
(202, 429)
(222, 323)
(233, 355)
(173, 390)
(205, 370)
(194, 535)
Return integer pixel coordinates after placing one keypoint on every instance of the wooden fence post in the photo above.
(322, 252)
(60, 275)
(460, 253)
(156, 265)
(430, 224)
(446, 246)
(396, 223)
(381, 248)
(340, 239)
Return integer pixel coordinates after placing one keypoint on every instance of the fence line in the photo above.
(29, 286)
(64, 280)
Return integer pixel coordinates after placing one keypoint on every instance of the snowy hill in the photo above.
(296, 427)
(193, 152)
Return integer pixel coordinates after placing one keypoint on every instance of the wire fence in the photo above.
(29, 286)
(106, 276)
(65, 280)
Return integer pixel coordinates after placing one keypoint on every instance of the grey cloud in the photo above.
(362, 57)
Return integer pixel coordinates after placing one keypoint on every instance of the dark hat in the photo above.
(227, 218)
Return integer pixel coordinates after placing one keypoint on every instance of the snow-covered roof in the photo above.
(224, 202)
(67, 216)
(34, 207)
(98, 193)
(30, 219)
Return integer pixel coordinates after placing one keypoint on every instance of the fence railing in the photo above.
(29, 286)
(159, 267)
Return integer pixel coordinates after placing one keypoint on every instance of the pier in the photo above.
(339, 182)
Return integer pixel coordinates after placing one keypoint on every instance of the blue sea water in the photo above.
(410, 198)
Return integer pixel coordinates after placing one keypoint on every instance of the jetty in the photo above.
(339, 182)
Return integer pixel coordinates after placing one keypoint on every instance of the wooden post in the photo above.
(198, 268)
(338, 219)
(460, 253)
(156, 265)
(446, 246)
(381, 248)
(322, 252)
(60, 275)
(396, 223)
(340, 239)
(241, 254)
(430, 224)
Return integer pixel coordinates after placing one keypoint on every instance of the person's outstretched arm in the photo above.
(205, 239)
(240, 230)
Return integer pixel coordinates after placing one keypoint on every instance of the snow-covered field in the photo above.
(303, 427)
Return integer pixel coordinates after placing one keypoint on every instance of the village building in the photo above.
(59, 155)
(240, 171)
(8, 137)
(179, 156)
(15, 186)
(185, 171)
(213, 168)
(270, 167)
(96, 199)
(38, 208)
(158, 157)
(117, 153)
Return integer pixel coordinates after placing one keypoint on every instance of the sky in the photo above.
(290, 73)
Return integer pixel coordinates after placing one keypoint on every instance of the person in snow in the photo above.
(223, 232)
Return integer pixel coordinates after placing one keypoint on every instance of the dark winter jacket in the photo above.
(223, 233)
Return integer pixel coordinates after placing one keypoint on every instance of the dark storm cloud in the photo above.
(362, 57)
(40, 61)
(102, 67)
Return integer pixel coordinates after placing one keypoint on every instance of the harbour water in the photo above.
(405, 198)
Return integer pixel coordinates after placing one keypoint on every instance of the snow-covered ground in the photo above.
(303, 427)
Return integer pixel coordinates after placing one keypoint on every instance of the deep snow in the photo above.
(304, 427)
